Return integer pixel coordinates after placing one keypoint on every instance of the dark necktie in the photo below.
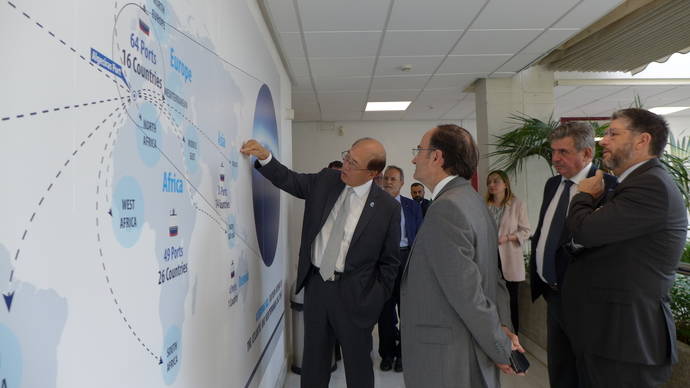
(555, 231)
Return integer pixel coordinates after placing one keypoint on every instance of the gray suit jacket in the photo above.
(453, 299)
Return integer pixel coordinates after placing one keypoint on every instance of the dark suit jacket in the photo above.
(413, 218)
(371, 263)
(616, 292)
(562, 255)
(424, 203)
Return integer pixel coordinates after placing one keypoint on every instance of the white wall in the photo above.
(91, 307)
(679, 125)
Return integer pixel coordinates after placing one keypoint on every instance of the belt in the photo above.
(336, 275)
(554, 287)
(407, 248)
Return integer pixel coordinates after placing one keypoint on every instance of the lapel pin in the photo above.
(371, 204)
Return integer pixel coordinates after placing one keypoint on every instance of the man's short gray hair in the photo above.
(581, 133)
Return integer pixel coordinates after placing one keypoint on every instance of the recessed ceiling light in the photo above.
(666, 110)
(387, 106)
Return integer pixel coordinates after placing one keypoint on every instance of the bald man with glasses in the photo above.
(348, 258)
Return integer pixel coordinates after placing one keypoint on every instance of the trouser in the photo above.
(325, 319)
(389, 347)
(562, 364)
(514, 292)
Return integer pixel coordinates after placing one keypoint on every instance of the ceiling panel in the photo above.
(342, 44)
(465, 108)
(343, 38)
(291, 43)
(305, 106)
(584, 94)
(283, 15)
(494, 41)
(382, 115)
(298, 66)
(400, 82)
(393, 95)
(337, 15)
(302, 84)
(307, 116)
(341, 115)
(420, 111)
(628, 95)
(517, 62)
(550, 39)
(342, 83)
(502, 74)
(433, 14)
(560, 91)
(420, 65)
(670, 97)
(586, 13)
(472, 63)
(522, 14)
(346, 101)
(414, 43)
(343, 67)
(460, 81)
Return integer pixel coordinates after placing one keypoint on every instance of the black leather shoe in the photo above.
(386, 364)
(398, 364)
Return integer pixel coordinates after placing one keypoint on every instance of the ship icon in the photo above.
(173, 229)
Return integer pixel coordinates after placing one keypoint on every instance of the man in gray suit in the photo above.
(455, 312)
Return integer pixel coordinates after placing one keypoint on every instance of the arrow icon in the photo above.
(8, 299)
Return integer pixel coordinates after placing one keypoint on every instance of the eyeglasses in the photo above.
(348, 161)
(415, 151)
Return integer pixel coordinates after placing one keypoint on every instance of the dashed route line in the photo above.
(65, 107)
(226, 231)
(25, 233)
(72, 49)
(107, 149)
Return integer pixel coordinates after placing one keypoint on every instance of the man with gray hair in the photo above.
(410, 221)
(572, 150)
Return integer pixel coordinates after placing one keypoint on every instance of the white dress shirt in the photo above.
(403, 236)
(630, 170)
(548, 216)
(440, 185)
(357, 202)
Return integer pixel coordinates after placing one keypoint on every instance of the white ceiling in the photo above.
(343, 53)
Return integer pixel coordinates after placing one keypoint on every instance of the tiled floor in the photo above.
(537, 376)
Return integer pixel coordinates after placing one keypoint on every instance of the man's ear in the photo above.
(589, 153)
(644, 139)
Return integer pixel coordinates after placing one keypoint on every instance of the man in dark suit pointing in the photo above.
(348, 258)
(616, 291)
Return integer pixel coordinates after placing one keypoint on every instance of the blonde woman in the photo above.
(510, 214)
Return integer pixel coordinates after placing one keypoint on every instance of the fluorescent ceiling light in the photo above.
(387, 105)
(666, 110)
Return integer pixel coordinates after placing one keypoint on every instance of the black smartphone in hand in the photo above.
(518, 362)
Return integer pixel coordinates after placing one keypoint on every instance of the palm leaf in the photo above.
(677, 167)
(530, 138)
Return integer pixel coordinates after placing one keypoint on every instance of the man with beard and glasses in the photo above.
(616, 290)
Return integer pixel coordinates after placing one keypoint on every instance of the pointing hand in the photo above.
(253, 147)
